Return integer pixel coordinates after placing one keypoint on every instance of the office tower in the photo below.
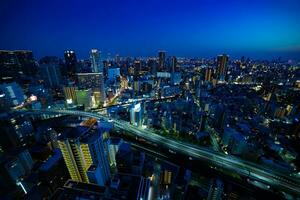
(161, 60)
(97, 64)
(10, 67)
(173, 64)
(84, 97)
(89, 81)
(92, 81)
(137, 68)
(83, 151)
(70, 62)
(105, 69)
(136, 114)
(27, 62)
(222, 67)
(208, 74)
(70, 94)
(136, 76)
(152, 65)
(175, 74)
(50, 71)
(13, 93)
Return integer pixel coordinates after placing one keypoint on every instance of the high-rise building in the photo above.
(105, 68)
(89, 81)
(208, 74)
(84, 97)
(95, 82)
(50, 71)
(27, 62)
(173, 64)
(222, 67)
(137, 68)
(70, 94)
(70, 62)
(10, 67)
(83, 151)
(136, 115)
(97, 64)
(152, 65)
(161, 60)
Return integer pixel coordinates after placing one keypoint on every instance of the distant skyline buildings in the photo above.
(71, 62)
(96, 63)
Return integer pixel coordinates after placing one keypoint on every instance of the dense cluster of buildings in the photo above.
(243, 107)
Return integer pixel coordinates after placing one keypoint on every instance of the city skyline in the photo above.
(256, 29)
(150, 100)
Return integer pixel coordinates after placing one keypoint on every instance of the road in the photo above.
(276, 179)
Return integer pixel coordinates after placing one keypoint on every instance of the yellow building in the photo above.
(70, 94)
(83, 152)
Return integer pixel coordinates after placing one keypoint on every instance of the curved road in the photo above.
(276, 179)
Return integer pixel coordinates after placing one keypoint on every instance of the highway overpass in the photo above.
(272, 178)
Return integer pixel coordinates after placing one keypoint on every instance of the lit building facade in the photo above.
(84, 97)
(95, 82)
(97, 65)
(136, 115)
(83, 151)
(222, 61)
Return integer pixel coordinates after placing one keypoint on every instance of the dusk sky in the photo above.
(194, 28)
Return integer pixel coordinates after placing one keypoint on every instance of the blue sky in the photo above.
(195, 28)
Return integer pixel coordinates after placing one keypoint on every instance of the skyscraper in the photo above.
(136, 115)
(27, 62)
(152, 65)
(10, 67)
(50, 71)
(93, 81)
(70, 94)
(97, 65)
(208, 74)
(173, 64)
(83, 152)
(222, 67)
(84, 97)
(71, 62)
(161, 60)
(137, 67)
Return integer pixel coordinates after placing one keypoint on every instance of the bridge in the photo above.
(276, 179)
